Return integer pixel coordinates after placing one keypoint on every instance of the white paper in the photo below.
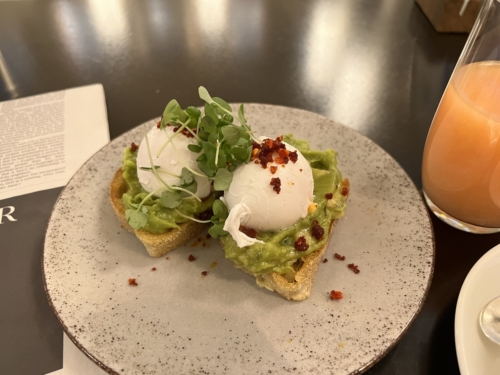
(45, 139)
(75, 362)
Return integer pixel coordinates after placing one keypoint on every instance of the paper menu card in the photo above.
(45, 138)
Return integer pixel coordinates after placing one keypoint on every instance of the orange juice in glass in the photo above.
(461, 163)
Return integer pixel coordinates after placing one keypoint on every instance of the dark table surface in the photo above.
(376, 66)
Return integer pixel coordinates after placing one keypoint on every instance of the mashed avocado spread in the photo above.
(278, 253)
(160, 219)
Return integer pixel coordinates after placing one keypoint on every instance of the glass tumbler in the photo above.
(461, 161)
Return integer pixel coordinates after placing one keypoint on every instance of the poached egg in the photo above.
(172, 159)
(254, 203)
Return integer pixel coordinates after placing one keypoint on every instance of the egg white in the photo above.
(172, 159)
(265, 209)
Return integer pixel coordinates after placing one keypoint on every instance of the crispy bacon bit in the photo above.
(301, 244)
(339, 257)
(264, 152)
(336, 294)
(207, 215)
(191, 257)
(317, 230)
(344, 191)
(282, 160)
(204, 273)
(283, 152)
(329, 195)
(185, 132)
(132, 282)
(325, 260)
(256, 145)
(153, 269)
(353, 267)
(273, 169)
(252, 233)
(293, 156)
(276, 184)
(133, 147)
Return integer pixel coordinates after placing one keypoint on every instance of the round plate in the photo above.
(178, 321)
(475, 352)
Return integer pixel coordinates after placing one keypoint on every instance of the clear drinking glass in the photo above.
(461, 163)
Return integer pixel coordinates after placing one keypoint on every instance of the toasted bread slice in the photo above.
(157, 245)
(297, 285)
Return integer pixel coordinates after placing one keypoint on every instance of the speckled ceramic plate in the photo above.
(178, 322)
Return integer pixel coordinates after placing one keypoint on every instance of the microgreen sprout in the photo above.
(221, 144)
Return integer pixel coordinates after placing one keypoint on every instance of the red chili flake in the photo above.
(325, 260)
(344, 191)
(256, 162)
(208, 236)
(301, 244)
(273, 169)
(132, 282)
(191, 257)
(133, 147)
(204, 273)
(317, 230)
(153, 269)
(158, 124)
(336, 294)
(329, 195)
(339, 257)
(353, 267)
(252, 233)
(293, 156)
(276, 184)
(300, 169)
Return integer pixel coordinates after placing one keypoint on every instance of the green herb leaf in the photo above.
(170, 199)
(217, 231)
(239, 153)
(222, 179)
(223, 104)
(194, 148)
(204, 95)
(231, 134)
(219, 209)
(221, 161)
(187, 177)
(193, 112)
(210, 172)
(136, 219)
(192, 188)
(241, 114)
(210, 112)
(208, 125)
